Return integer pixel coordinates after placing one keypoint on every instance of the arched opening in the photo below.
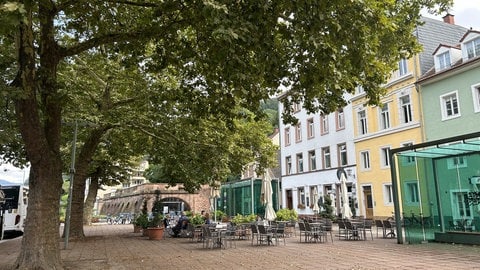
(174, 205)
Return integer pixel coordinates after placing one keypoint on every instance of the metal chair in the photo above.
(379, 225)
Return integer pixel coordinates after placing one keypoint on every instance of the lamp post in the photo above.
(72, 173)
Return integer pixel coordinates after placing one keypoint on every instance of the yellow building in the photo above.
(396, 122)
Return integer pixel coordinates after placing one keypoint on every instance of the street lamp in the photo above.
(72, 173)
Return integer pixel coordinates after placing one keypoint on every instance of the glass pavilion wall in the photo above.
(244, 197)
(436, 190)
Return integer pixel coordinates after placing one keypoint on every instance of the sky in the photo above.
(12, 174)
(466, 13)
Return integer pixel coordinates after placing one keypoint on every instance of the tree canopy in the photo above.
(221, 56)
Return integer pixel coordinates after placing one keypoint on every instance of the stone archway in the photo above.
(175, 205)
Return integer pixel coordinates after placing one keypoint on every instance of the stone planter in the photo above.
(155, 233)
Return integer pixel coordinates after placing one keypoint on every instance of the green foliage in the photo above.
(144, 207)
(157, 207)
(238, 219)
(197, 219)
(220, 215)
(181, 82)
(286, 214)
(156, 221)
(142, 221)
(327, 208)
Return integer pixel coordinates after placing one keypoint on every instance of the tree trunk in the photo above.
(79, 181)
(40, 243)
(39, 124)
(89, 202)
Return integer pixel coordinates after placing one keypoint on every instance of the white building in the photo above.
(311, 153)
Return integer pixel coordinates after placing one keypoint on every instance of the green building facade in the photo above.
(437, 190)
(244, 197)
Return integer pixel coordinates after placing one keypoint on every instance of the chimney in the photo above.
(449, 18)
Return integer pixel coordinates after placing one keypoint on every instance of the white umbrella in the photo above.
(214, 194)
(315, 208)
(346, 211)
(267, 200)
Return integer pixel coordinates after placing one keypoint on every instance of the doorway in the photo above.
(368, 201)
(289, 199)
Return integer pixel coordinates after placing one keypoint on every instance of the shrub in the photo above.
(287, 215)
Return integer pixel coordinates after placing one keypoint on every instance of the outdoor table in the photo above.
(219, 234)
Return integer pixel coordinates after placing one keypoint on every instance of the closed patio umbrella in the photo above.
(315, 208)
(346, 211)
(267, 192)
(214, 194)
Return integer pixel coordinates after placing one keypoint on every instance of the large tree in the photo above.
(227, 54)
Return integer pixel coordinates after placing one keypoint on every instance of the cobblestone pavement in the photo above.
(117, 247)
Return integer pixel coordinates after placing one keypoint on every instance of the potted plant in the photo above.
(155, 227)
(140, 223)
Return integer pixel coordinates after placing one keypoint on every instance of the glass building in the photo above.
(436, 190)
(244, 197)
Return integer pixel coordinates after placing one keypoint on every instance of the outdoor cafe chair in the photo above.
(364, 227)
(211, 238)
(316, 232)
(254, 231)
(303, 231)
(379, 225)
(279, 233)
(342, 229)
(328, 228)
(388, 229)
(264, 235)
(352, 231)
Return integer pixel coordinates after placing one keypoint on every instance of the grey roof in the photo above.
(431, 34)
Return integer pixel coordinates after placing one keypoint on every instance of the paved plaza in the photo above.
(117, 247)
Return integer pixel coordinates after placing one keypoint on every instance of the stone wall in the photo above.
(130, 200)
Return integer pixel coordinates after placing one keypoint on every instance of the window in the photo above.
(296, 107)
(476, 97)
(310, 128)
(473, 48)
(298, 132)
(387, 194)
(360, 89)
(408, 159)
(288, 165)
(444, 60)
(342, 154)
(456, 162)
(365, 159)
(405, 109)
(461, 209)
(299, 163)
(312, 162)
(301, 195)
(327, 163)
(411, 192)
(287, 136)
(340, 119)
(384, 116)
(402, 67)
(449, 103)
(324, 124)
(385, 157)
(362, 122)
(312, 192)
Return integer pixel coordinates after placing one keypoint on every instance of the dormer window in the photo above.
(444, 60)
(473, 48)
